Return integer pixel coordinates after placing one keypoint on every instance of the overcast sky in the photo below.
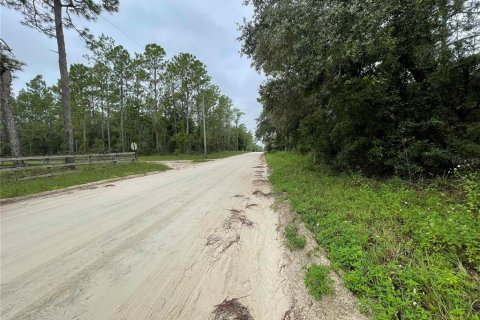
(208, 29)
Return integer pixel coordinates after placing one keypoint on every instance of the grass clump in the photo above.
(82, 175)
(295, 241)
(318, 281)
(193, 157)
(407, 250)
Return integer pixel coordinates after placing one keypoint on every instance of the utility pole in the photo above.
(204, 130)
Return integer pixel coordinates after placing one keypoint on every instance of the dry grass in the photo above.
(231, 309)
(230, 243)
(221, 245)
(237, 217)
(259, 193)
(290, 314)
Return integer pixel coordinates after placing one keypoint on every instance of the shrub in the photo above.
(318, 281)
(294, 240)
(408, 250)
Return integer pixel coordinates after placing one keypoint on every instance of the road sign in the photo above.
(133, 146)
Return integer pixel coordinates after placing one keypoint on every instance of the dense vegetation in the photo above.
(372, 90)
(385, 87)
(407, 251)
(118, 99)
(294, 239)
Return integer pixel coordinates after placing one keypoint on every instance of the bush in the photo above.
(294, 240)
(318, 281)
(408, 250)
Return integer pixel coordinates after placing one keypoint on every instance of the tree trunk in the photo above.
(229, 141)
(84, 136)
(236, 129)
(8, 117)
(108, 129)
(155, 111)
(164, 141)
(122, 131)
(103, 123)
(175, 124)
(62, 61)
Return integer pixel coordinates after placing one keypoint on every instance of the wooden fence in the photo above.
(41, 166)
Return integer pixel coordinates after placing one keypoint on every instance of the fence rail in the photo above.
(44, 164)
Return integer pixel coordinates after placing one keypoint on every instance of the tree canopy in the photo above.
(382, 87)
(121, 97)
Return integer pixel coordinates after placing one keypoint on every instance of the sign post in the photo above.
(133, 146)
(204, 129)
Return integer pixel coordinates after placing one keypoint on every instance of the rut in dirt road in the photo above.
(193, 243)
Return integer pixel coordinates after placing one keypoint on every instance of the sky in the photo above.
(208, 29)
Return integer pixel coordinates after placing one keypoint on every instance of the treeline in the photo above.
(119, 98)
(382, 87)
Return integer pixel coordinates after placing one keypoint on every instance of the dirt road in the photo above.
(167, 246)
(200, 241)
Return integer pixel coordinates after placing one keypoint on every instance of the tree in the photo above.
(121, 62)
(188, 77)
(119, 97)
(8, 64)
(154, 63)
(237, 114)
(38, 112)
(100, 49)
(81, 85)
(387, 88)
(47, 17)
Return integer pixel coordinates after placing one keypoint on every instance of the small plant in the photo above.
(408, 249)
(318, 281)
(294, 240)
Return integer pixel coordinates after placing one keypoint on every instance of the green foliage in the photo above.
(318, 281)
(382, 87)
(38, 118)
(40, 16)
(295, 241)
(119, 98)
(83, 174)
(408, 251)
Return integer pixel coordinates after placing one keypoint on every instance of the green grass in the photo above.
(295, 241)
(408, 251)
(194, 157)
(9, 189)
(317, 281)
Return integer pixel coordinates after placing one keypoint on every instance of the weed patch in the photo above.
(407, 250)
(318, 281)
(295, 241)
(231, 309)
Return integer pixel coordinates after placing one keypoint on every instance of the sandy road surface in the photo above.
(165, 246)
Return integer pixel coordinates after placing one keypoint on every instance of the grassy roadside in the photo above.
(9, 189)
(407, 251)
(193, 157)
